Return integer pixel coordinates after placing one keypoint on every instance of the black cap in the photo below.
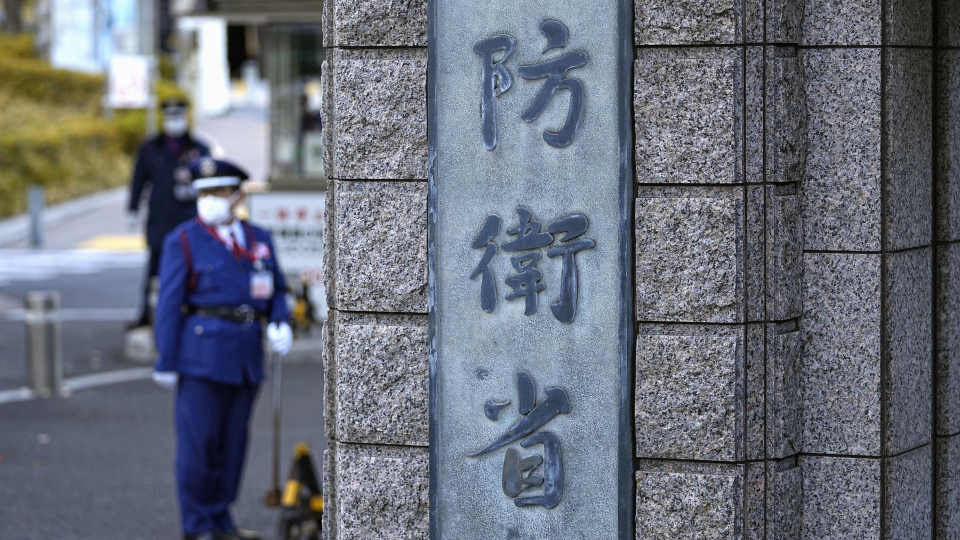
(210, 173)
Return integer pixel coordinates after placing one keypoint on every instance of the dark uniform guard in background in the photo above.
(219, 284)
(163, 166)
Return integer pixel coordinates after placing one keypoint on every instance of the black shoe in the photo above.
(204, 536)
(238, 534)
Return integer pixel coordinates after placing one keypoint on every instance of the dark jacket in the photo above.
(157, 167)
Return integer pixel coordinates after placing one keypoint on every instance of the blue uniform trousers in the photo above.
(212, 426)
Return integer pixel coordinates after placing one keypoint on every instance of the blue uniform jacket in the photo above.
(156, 168)
(210, 347)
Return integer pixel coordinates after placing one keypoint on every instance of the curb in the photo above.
(17, 228)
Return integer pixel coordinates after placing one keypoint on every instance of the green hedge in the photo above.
(70, 148)
(74, 158)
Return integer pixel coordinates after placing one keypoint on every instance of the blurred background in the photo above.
(86, 439)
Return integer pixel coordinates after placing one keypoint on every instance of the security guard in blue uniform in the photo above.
(219, 285)
(163, 168)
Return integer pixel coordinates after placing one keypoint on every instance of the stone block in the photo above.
(949, 23)
(841, 180)
(786, 116)
(696, 501)
(688, 110)
(755, 392)
(784, 420)
(908, 333)
(840, 376)
(381, 392)
(841, 498)
(754, 495)
(380, 246)
(948, 488)
(689, 392)
(373, 23)
(783, 21)
(948, 340)
(687, 22)
(753, 115)
(908, 504)
(377, 103)
(854, 22)
(784, 253)
(908, 125)
(909, 22)
(689, 251)
(948, 145)
(754, 286)
(784, 499)
(378, 492)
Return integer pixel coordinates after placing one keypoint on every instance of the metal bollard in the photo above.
(44, 349)
(36, 200)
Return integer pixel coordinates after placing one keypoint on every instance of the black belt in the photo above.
(241, 314)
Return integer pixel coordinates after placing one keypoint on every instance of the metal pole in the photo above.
(36, 200)
(44, 349)
(272, 498)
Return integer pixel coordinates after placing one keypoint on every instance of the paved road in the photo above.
(97, 465)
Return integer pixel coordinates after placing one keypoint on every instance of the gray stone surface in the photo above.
(376, 100)
(754, 114)
(783, 21)
(909, 22)
(948, 150)
(784, 253)
(908, 503)
(754, 495)
(852, 22)
(755, 392)
(948, 488)
(840, 376)
(689, 392)
(841, 183)
(687, 22)
(909, 149)
(786, 116)
(688, 107)
(374, 23)
(380, 246)
(689, 249)
(690, 501)
(754, 286)
(377, 492)
(841, 498)
(909, 350)
(784, 514)
(381, 380)
(784, 419)
(949, 19)
(948, 335)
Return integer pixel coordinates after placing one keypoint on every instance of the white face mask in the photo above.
(215, 210)
(175, 126)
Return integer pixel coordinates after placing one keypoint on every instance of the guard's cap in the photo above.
(174, 106)
(210, 173)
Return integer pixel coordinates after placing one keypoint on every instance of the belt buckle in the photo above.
(246, 314)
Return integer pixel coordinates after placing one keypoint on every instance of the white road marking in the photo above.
(81, 382)
(81, 315)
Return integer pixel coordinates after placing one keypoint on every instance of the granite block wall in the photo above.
(797, 288)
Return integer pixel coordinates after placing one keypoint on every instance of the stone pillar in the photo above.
(946, 373)
(797, 221)
(376, 397)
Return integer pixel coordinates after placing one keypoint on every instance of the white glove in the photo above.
(280, 336)
(133, 220)
(166, 379)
